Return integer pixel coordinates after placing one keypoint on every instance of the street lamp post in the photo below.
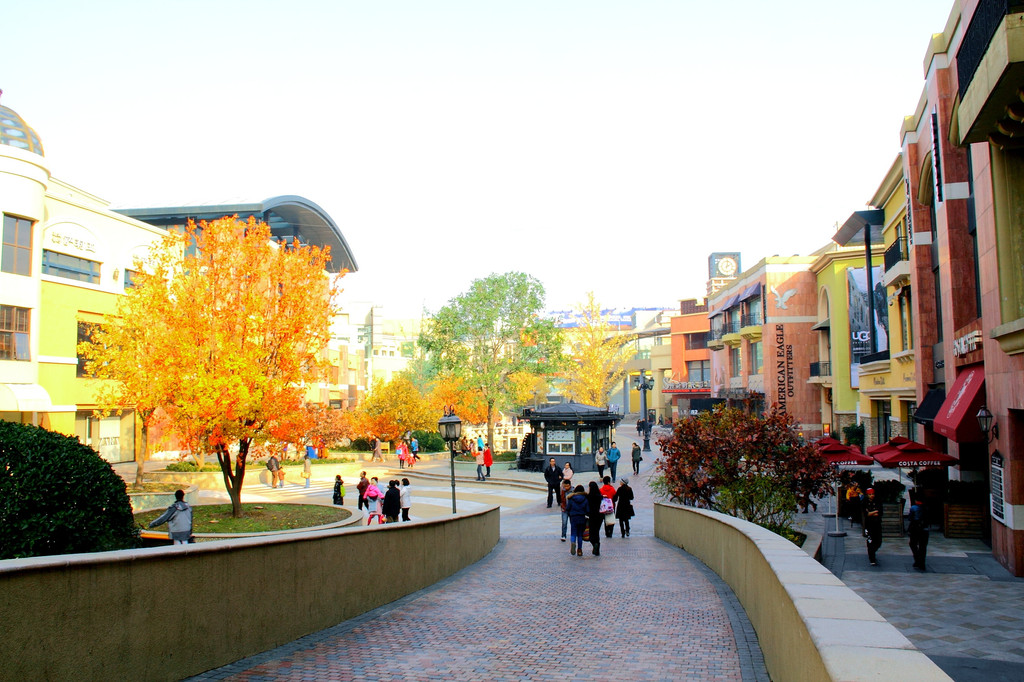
(642, 384)
(450, 428)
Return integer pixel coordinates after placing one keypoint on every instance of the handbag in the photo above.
(607, 506)
(586, 533)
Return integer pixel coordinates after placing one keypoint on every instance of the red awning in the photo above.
(957, 418)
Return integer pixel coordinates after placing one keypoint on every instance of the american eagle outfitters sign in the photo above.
(784, 382)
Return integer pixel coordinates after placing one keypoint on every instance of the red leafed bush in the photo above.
(751, 466)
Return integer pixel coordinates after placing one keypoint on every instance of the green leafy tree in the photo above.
(598, 355)
(746, 465)
(492, 338)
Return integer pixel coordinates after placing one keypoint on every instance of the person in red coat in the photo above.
(488, 460)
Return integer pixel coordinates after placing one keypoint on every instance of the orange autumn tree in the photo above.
(452, 391)
(242, 322)
(393, 407)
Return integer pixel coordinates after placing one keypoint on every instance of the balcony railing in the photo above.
(896, 253)
(984, 22)
(731, 327)
(821, 369)
(751, 320)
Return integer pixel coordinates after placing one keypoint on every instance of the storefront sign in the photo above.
(71, 239)
(784, 381)
(967, 343)
(996, 487)
(686, 386)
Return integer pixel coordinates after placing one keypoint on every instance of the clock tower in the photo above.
(723, 267)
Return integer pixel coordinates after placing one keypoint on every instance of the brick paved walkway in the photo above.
(643, 610)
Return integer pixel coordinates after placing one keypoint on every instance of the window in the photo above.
(884, 411)
(70, 267)
(698, 370)
(85, 330)
(129, 278)
(16, 255)
(735, 362)
(14, 331)
(906, 319)
(697, 341)
(756, 358)
(911, 424)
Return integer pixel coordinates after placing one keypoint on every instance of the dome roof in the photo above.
(15, 132)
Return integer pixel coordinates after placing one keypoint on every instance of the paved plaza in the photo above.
(643, 610)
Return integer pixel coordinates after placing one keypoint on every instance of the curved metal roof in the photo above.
(288, 215)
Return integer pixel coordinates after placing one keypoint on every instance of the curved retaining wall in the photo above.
(810, 625)
(169, 612)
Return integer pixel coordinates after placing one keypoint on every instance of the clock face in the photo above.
(727, 266)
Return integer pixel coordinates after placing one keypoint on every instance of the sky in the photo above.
(597, 146)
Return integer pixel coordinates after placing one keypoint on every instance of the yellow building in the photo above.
(65, 259)
(888, 387)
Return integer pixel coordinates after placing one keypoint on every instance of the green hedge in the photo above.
(58, 496)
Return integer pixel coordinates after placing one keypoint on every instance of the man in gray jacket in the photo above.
(178, 518)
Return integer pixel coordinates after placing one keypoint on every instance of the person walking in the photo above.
(608, 506)
(614, 455)
(400, 451)
(406, 493)
(624, 506)
(339, 490)
(391, 506)
(414, 450)
(594, 516)
(488, 460)
(307, 469)
(637, 457)
(872, 524)
(361, 488)
(479, 442)
(576, 506)
(639, 427)
(853, 503)
(918, 530)
(273, 466)
(567, 472)
(553, 476)
(564, 490)
(600, 460)
(374, 503)
(377, 452)
(479, 457)
(178, 518)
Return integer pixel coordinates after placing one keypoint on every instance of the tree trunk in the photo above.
(143, 456)
(490, 426)
(140, 459)
(233, 479)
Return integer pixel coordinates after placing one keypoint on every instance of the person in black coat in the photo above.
(392, 505)
(623, 499)
(595, 516)
(553, 475)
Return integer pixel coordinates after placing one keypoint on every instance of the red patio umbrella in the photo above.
(892, 443)
(835, 452)
(838, 454)
(911, 454)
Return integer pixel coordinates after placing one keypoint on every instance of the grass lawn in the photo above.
(258, 518)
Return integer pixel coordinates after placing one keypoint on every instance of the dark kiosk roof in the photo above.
(570, 412)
